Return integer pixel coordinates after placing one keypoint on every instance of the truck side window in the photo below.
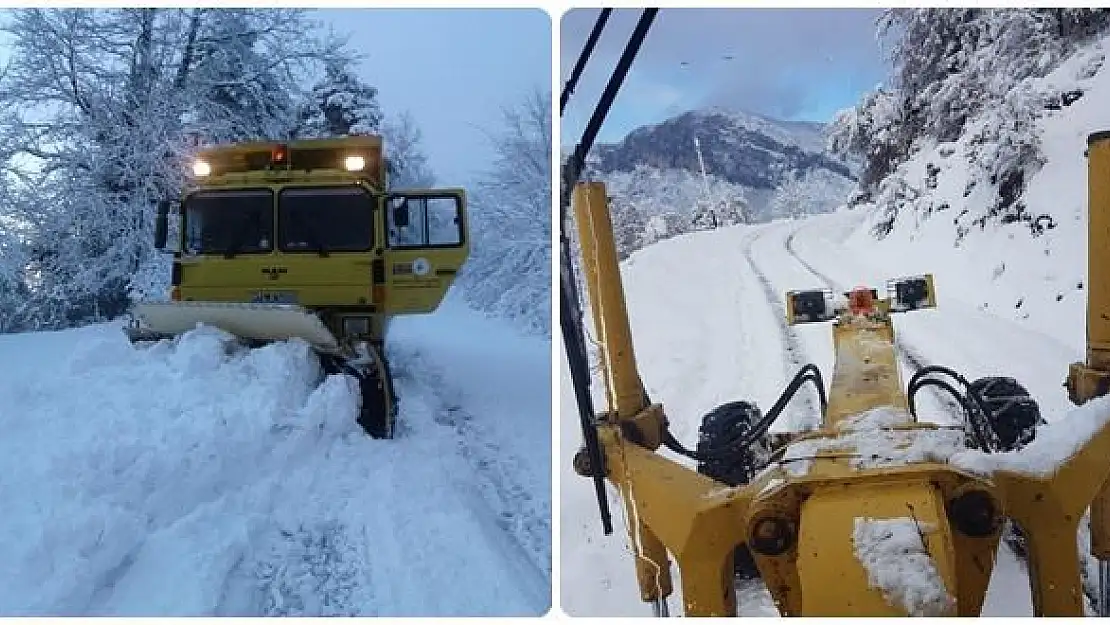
(431, 221)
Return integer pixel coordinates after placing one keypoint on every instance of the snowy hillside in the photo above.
(199, 478)
(1035, 280)
(707, 340)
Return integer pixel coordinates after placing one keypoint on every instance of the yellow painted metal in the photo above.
(586, 242)
(618, 366)
(1098, 250)
(341, 282)
(305, 160)
(827, 552)
(865, 373)
(1090, 379)
(931, 302)
(821, 482)
(607, 297)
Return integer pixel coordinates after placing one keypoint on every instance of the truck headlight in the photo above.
(354, 163)
(201, 168)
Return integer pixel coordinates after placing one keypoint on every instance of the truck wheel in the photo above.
(717, 427)
(1014, 415)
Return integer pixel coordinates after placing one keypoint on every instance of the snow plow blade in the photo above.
(252, 322)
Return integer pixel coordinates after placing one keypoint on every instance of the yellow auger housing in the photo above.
(302, 239)
(832, 509)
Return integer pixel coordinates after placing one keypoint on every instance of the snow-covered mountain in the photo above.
(745, 149)
(758, 168)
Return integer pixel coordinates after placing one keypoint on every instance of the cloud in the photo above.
(787, 63)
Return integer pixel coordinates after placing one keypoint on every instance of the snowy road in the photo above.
(203, 479)
(717, 334)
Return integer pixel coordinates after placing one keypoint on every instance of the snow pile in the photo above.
(117, 456)
(199, 478)
(1055, 444)
(897, 561)
(875, 419)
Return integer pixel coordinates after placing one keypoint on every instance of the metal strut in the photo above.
(583, 57)
(570, 308)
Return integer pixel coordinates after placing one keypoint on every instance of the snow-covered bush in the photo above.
(973, 78)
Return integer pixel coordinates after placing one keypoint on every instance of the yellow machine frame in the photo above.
(798, 524)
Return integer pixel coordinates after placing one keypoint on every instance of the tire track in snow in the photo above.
(507, 506)
(908, 355)
(792, 344)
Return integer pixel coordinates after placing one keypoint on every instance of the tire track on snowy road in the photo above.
(908, 355)
(513, 518)
(792, 344)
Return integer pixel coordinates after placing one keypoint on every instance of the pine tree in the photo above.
(340, 104)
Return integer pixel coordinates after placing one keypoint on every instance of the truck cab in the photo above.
(311, 223)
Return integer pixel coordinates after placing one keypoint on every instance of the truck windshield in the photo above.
(229, 222)
(325, 219)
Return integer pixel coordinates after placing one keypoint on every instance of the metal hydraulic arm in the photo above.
(1090, 379)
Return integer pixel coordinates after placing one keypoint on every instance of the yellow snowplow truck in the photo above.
(302, 240)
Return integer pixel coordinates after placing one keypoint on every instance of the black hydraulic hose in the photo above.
(736, 446)
(976, 410)
(916, 381)
(583, 57)
(979, 428)
(929, 369)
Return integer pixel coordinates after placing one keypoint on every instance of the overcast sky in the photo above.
(452, 69)
(800, 64)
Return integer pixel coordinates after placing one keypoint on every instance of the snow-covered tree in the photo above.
(101, 109)
(340, 104)
(808, 193)
(510, 269)
(405, 158)
(964, 73)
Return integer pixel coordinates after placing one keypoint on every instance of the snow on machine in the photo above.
(301, 239)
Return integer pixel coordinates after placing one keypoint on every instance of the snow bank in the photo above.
(198, 478)
(1055, 444)
(897, 561)
(875, 447)
(116, 457)
(1038, 282)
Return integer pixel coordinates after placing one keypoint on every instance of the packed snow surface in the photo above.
(196, 477)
